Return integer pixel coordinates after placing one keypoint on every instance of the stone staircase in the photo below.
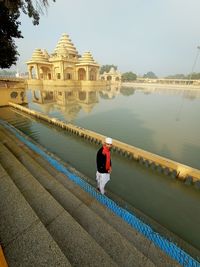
(47, 220)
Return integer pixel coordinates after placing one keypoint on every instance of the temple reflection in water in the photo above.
(71, 101)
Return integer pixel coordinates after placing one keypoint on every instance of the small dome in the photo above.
(38, 55)
(87, 59)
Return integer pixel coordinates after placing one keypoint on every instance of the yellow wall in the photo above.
(5, 96)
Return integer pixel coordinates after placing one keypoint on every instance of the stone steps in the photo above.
(86, 232)
(78, 246)
(25, 240)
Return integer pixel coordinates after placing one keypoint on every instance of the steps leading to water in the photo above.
(71, 225)
(23, 237)
(76, 244)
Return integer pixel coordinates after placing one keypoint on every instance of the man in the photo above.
(104, 168)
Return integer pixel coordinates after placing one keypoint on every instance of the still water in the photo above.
(165, 122)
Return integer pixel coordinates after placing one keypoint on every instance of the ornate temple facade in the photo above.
(63, 64)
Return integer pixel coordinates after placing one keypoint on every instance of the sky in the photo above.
(136, 35)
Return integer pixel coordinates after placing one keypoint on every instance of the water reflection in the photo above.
(70, 101)
(73, 100)
(112, 111)
(186, 92)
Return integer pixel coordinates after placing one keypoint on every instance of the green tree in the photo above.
(126, 91)
(106, 68)
(7, 73)
(9, 26)
(150, 75)
(129, 76)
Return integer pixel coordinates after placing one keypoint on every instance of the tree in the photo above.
(106, 68)
(9, 26)
(129, 76)
(194, 76)
(7, 73)
(126, 91)
(150, 75)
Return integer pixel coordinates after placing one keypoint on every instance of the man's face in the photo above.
(108, 146)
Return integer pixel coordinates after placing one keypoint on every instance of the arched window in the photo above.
(81, 74)
(14, 95)
(32, 72)
(92, 75)
(68, 74)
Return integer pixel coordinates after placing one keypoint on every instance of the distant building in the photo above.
(63, 64)
(112, 76)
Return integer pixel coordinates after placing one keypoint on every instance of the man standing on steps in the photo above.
(103, 165)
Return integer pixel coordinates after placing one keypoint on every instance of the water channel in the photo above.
(162, 121)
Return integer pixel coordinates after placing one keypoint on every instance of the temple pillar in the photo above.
(97, 75)
(37, 72)
(87, 74)
(61, 70)
(30, 73)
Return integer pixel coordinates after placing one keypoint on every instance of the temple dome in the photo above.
(38, 55)
(87, 59)
(65, 46)
(62, 50)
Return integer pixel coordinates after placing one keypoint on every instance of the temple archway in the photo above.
(57, 73)
(93, 75)
(45, 73)
(68, 74)
(32, 72)
(81, 74)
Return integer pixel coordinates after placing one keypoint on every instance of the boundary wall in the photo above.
(150, 160)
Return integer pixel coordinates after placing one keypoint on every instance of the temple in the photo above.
(112, 76)
(63, 64)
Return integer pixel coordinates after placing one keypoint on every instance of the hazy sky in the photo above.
(136, 35)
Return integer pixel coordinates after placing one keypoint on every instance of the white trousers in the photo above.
(102, 179)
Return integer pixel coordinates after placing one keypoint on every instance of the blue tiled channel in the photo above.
(170, 248)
